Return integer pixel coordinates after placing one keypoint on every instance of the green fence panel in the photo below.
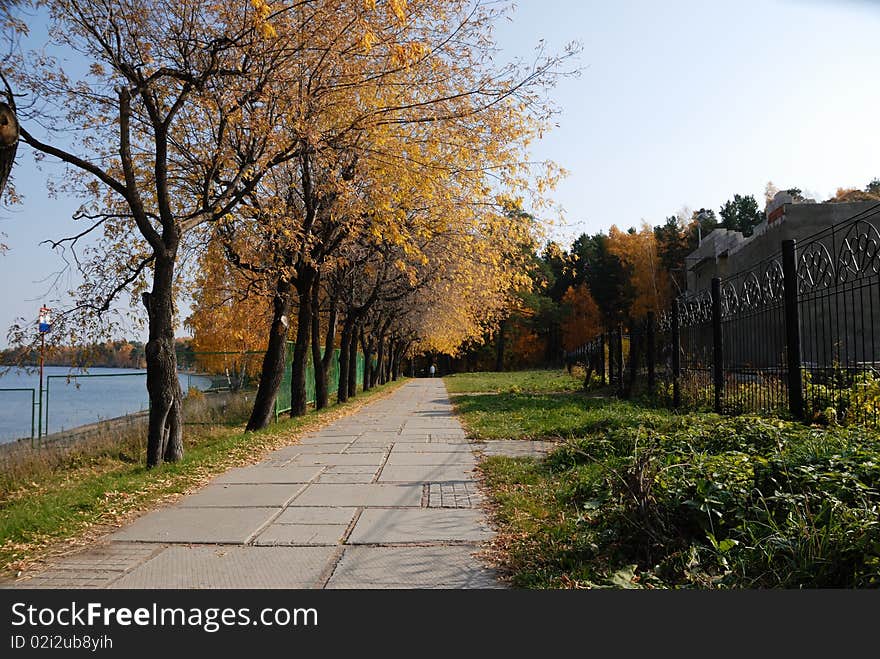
(282, 400)
(360, 370)
(333, 373)
(310, 379)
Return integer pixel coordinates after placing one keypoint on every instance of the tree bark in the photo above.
(329, 350)
(9, 135)
(321, 393)
(352, 364)
(367, 346)
(165, 433)
(273, 361)
(298, 402)
(378, 373)
(344, 356)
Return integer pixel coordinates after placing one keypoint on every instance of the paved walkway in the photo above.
(384, 498)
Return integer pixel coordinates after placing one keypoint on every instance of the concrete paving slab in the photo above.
(416, 437)
(301, 535)
(373, 433)
(329, 494)
(381, 449)
(350, 469)
(411, 567)
(317, 515)
(94, 567)
(231, 567)
(372, 444)
(425, 447)
(360, 459)
(241, 495)
(426, 473)
(346, 478)
(197, 525)
(292, 452)
(409, 459)
(327, 436)
(423, 525)
(264, 473)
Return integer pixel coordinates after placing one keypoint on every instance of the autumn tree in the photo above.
(870, 193)
(11, 28)
(606, 275)
(638, 252)
(403, 121)
(583, 320)
(230, 311)
(175, 117)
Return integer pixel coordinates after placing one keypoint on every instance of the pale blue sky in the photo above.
(680, 103)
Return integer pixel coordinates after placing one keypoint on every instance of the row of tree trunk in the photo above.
(375, 339)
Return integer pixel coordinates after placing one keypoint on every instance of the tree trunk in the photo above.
(352, 364)
(499, 347)
(321, 393)
(380, 363)
(9, 135)
(298, 402)
(273, 361)
(344, 355)
(367, 347)
(165, 432)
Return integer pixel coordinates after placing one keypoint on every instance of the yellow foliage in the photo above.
(583, 321)
(639, 251)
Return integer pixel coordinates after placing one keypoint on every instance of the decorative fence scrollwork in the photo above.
(798, 332)
(815, 268)
(859, 253)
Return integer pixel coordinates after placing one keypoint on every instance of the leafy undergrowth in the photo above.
(646, 498)
(515, 381)
(75, 504)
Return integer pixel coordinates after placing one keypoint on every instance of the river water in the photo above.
(72, 398)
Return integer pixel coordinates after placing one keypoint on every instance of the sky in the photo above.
(678, 104)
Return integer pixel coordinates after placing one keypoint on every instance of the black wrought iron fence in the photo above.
(798, 332)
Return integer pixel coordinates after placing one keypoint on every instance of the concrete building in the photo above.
(838, 272)
(724, 253)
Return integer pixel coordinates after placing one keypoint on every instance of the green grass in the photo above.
(548, 416)
(639, 497)
(73, 503)
(513, 382)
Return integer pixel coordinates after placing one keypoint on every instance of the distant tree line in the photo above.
(110, 354)
(612, 278)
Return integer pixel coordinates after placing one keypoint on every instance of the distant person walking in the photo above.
(432, 370)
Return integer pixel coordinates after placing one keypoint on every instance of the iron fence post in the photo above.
(792, 330)
(602, 357)
(676, 355)
(717, 348)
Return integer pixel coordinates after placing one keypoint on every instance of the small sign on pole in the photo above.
(45, 319)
